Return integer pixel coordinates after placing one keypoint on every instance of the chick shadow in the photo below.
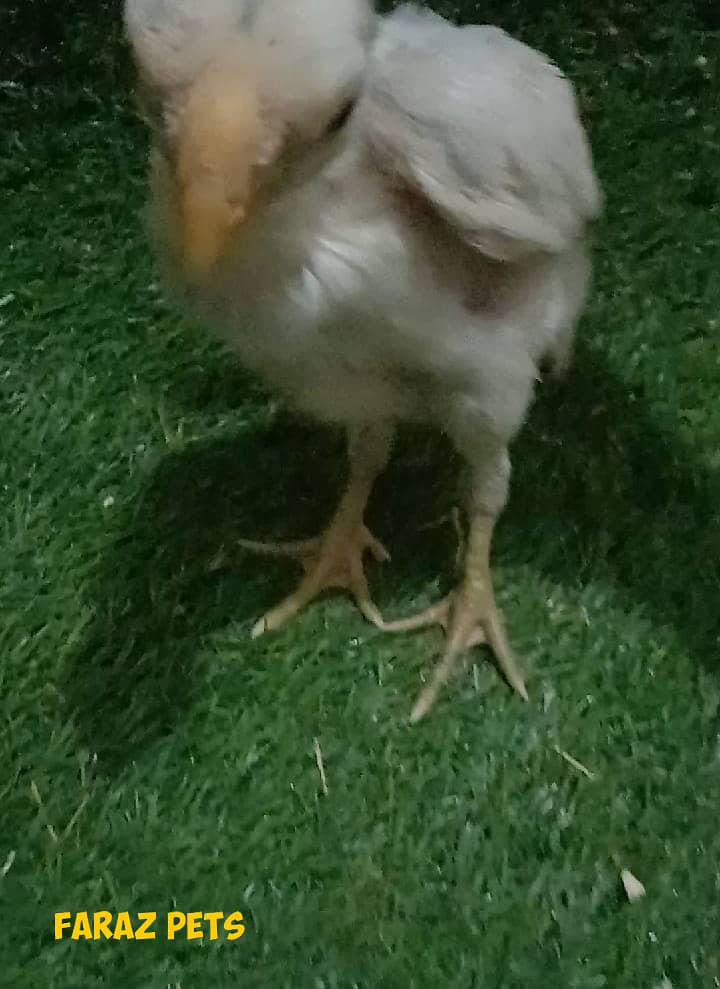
(173, 575)
(601, 491)
(605, 490)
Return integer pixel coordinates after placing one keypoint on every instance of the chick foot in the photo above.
(469, 617)
(335, 559)
(331, 561)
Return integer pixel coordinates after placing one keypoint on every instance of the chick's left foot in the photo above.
(335, 560)
(469, 617)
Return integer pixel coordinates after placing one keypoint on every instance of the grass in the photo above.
(155, 757)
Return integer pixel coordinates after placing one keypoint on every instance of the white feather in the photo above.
(484, 127)
(172, 39)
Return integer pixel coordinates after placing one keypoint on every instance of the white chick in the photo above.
(386, 218)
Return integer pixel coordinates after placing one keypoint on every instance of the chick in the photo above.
(387, 219)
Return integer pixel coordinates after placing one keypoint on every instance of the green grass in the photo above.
(154, 756)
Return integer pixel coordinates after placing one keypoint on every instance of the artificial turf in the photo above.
(155, 758)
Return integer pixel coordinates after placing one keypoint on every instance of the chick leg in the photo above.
(335, 559)
(469, 616)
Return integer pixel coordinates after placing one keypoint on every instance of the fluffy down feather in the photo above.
(172, 39)
(484, 127)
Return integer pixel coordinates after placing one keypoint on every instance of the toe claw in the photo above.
(370, 612)
(420, 708)
(518, 684)
(377, 550)
(259, 628)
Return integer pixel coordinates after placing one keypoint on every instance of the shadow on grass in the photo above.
(171, 577)
(604, 490)
(600, 490)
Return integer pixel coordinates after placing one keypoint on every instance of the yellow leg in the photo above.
(335, 559)
(469, 616)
